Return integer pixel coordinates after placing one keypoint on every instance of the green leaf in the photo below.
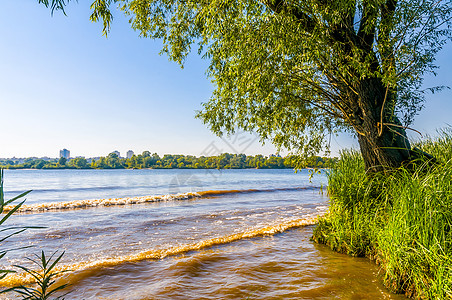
(17, 197)
(11, 212)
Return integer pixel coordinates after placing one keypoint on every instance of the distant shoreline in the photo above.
(168, 161)
(50, 169)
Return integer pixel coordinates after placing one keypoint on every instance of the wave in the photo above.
(81, 204)
(79, 271)
(225, 192)
(85, 189)
(76, 189)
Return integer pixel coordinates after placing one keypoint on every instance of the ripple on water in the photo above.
(284, 266)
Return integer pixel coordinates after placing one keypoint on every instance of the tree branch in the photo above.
(313, 103)
(281, 6)
(366, 34)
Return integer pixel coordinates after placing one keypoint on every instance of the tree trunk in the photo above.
(382, 139)
(385, 151)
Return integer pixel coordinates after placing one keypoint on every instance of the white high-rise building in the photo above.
(65, 153)
(130, 153)
(117, 153)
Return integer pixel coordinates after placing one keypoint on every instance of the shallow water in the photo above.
(248, 237)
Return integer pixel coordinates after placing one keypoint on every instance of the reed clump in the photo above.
(402, 221)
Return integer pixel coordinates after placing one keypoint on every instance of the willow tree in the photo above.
(298, 71)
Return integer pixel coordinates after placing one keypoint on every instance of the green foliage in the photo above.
(44, 279)
(62, 161)
(436, 146)
(55, 4)
(78, 163)
(168, 161)
(416, 244)
(298, 71)
(403, 221)
(352, 195)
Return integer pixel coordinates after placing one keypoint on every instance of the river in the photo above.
(184, 234)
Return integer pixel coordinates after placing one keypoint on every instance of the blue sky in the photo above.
(64, 85)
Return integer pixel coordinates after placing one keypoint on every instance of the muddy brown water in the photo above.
(248, 237)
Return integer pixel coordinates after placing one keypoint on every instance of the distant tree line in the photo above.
(146, 160)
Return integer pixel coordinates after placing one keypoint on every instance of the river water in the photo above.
(184, 234)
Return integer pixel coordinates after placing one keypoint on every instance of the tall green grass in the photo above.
(403, 221)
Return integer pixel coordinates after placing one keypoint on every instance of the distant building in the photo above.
(117, 153)
(130, 154)
(65, 153)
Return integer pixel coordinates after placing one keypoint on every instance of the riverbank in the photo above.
(170, 161)
(403, 221)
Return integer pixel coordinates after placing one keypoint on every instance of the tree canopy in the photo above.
(298, 71)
